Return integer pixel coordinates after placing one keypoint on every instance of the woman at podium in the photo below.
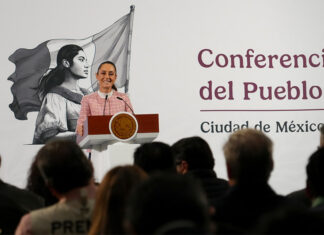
(107, 100)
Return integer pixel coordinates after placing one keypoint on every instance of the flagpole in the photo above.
(131, 19)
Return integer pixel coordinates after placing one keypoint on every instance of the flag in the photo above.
(112, 43)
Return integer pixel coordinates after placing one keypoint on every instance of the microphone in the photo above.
(105, 105)
(118, 97)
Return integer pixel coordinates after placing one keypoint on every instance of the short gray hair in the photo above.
(248, 154)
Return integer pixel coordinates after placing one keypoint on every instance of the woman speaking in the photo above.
(107, 100)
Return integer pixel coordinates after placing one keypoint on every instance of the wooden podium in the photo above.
(97, 130)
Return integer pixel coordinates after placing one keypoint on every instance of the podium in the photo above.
(97, 130)
(122, 132)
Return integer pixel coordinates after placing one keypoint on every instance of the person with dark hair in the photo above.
(301, 196)
(37, 185)
(107, 101)
(155, 157)
(322, 136)
(290, 221)
(61, 95)
(14, 203)
(248, 155)
(69, 175)
(193, 156)
(168, 204)
(315, 180)
(113, 192)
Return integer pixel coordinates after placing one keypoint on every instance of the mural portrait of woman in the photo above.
(61, 95)
(53, 77)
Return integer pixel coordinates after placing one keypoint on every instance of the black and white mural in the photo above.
(47, 78)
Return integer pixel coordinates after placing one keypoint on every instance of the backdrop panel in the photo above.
(207, 68)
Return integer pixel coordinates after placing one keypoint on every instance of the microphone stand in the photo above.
(105, 105)
(126, 104)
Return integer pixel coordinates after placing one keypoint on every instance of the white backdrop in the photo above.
(165, 76)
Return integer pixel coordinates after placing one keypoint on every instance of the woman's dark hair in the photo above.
(64, 166)
(111, 197)
(111, 63)
(166, 201)
(56, 76)
(37, 185)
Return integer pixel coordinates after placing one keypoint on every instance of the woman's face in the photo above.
(106, 77)
(80, 65)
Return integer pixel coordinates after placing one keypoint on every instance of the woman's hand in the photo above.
(80, 130)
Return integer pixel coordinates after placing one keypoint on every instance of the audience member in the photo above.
(301, 195)
(290, 221)
(154, 157)
(322, 136)
(69, 175)
(315, 179)
(248, 155)
(193, 156)
(14, 203)
(37, 185)
(128, 201)
(114, 190)
(168, 204)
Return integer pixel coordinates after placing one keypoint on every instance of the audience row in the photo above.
(168, 190)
